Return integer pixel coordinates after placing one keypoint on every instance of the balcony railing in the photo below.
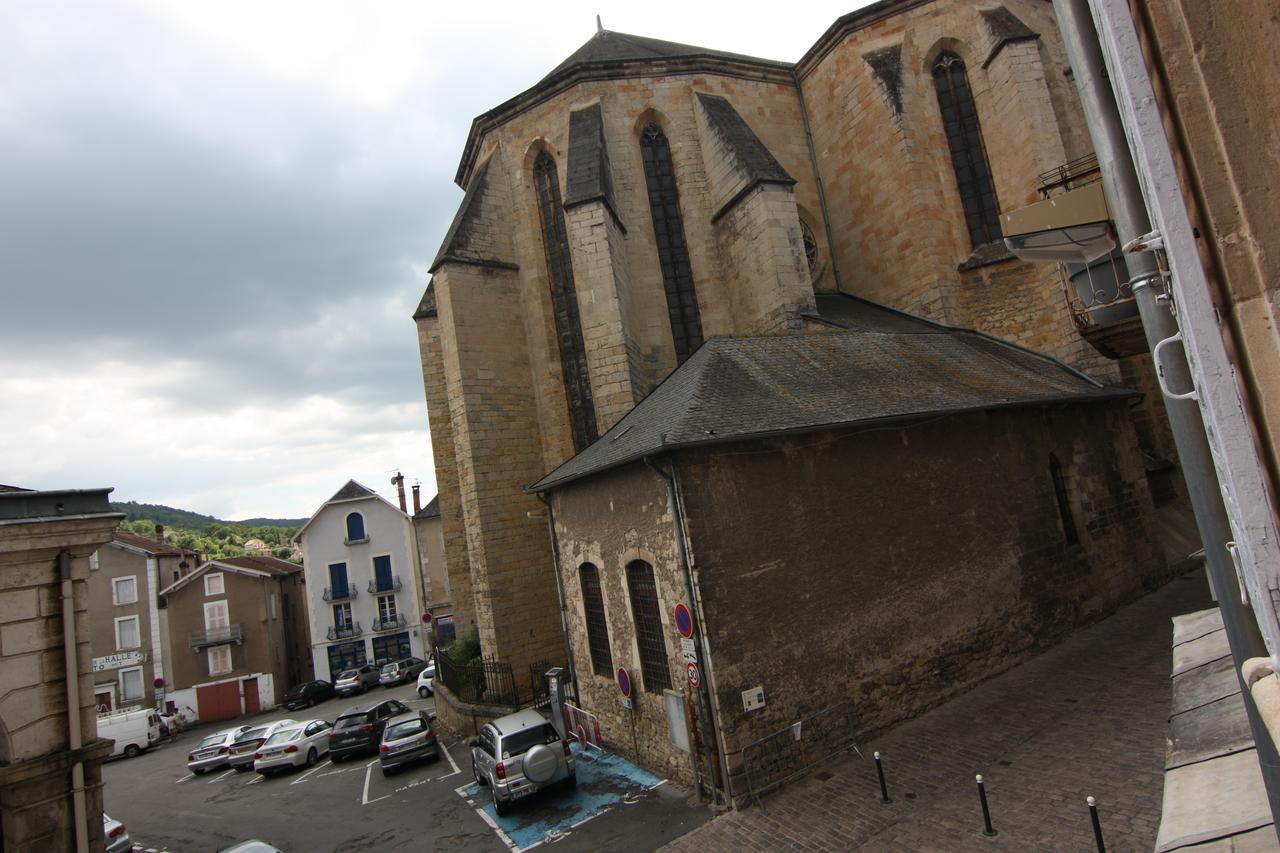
(393, 586)
(344, 632)
(215, 636)
(389, 623)
(341, 595)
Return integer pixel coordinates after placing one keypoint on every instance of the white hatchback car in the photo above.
(424, 679)
(301, 745)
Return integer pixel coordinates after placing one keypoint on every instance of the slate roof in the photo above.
(883, 366)
(350, 491)
(431, 510)
(609, 47)
(458, 240)
(269, 565)
(590, 178)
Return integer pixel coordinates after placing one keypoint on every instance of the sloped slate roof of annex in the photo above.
(431, 510)
(608, 55)
(877, 365)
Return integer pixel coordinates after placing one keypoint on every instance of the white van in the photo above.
(133, 731)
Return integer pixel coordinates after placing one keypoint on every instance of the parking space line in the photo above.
(309, 772)
(452, 763)
(484, 816)
(255, 780)
(368, 771)
(223, 776)
(185, 778)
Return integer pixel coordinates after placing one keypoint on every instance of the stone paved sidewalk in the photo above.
(1087, 717)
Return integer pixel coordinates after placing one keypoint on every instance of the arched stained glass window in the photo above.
(597, 625)
(968, 155)
(564, 301)
(648, 621)
(673, 252)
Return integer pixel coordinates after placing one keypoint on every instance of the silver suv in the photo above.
(518, 755)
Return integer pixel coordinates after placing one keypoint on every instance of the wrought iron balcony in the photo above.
(389, 623)
(393, 586)
(215, 636)
(344, 632)
(342, 595)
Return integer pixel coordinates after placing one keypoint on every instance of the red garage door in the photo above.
(218, 701)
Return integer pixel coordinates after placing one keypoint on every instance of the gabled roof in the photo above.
(352, 491)
(882, 365)
(431, 510)
(249, 566)
(150, 546)
(261, 563)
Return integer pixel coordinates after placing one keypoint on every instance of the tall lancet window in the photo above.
(968, 155)
(673, 252)
(564, 300)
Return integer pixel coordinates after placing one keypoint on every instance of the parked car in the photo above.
(114, 836)
(307, 694)
(358, 680)
(253, 845)
(424, 679)
(359, 729)
(211, 752)
(408, 738)
(400, 671)
(518, 755)
(133, 731)
(247, 742)
(300, 745)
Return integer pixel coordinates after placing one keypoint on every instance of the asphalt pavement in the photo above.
(351, 807)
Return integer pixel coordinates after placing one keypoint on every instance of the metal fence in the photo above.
(786, 754)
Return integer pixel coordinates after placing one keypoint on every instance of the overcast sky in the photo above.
(216, 219)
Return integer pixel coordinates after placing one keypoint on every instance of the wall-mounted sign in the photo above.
(118, 660)
(688, 650)
(426, 617)
(695, 677)
(753, 699)
(624, 682)
(684, 622)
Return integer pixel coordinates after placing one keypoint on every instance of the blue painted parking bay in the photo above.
(605, 780)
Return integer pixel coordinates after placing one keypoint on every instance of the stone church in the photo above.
(742, 335)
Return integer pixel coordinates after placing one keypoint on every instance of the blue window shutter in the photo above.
(355, 526)
(338, 579)
(382, 572)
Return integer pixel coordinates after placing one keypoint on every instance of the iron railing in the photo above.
(341, 595)
(389, 623)
(344, 632)
(791, 752)
(215, 636)
(492, 681)
(1070, 175)
(393, 586)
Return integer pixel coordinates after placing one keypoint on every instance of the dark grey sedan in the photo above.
(408, 738)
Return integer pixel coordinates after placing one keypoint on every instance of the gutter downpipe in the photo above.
(822, 193)
(564, 622)
(1124, 195)
(75, 713)
(706, 715)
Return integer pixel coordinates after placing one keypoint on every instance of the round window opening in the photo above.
(810, 247)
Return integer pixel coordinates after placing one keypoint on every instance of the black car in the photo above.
(309, 693)
(359, 729)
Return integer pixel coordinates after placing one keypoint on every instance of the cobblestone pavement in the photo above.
(1086, 718)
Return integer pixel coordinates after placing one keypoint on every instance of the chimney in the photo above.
(398, 482)
(160, 533)
(417, 499)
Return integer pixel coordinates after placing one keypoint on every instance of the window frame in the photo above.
(387, 602)
(231, 664)
(115, 590)
(221, 584)
(137, 631)
(970, 165)
(598, 647)
(650, 639)
(142, 686)
(226, 609)
(364, 530)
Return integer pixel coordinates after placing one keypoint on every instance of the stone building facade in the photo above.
(238, 634)
(648, 199)
(49, 746)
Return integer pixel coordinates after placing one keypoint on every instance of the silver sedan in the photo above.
(301, 745)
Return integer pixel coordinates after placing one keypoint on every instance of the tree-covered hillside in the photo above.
(209, 536)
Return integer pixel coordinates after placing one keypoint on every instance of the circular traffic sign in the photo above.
(684, 622)
(695, 677)
(624, 682)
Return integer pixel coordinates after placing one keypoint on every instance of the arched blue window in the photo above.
(355, 527)
(564, 301)
(968, 154)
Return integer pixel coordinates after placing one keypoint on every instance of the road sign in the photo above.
(684, 622)
(695, 677)
(688, 650)
(624, 682)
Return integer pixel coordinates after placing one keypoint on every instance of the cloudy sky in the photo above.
(216, 218)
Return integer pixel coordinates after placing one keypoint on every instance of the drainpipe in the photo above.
(1124, 195)
(705, 708)
(822, 193)
(564, 622)
(71, 663)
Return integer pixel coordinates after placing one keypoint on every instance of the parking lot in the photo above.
(350, 806)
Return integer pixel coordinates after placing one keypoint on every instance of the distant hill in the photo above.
(171, 517)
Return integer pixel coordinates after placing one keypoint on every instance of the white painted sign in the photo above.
(753, 698)
(688, 650)
(118, 660)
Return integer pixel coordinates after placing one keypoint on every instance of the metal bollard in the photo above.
(986, 811)
(884, 789)
(1097, 824)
